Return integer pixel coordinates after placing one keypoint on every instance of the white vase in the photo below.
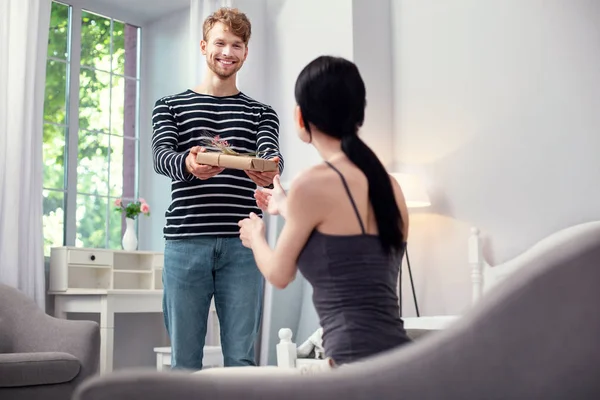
(130, 241)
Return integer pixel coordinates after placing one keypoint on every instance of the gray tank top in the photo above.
(354, 292)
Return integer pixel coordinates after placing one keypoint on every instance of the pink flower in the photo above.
(118, 202)
(142, 200)
(145, 208)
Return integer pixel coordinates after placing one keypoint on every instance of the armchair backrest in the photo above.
(16, 314)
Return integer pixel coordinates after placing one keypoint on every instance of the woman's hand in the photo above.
(272, 201)
(252, 229)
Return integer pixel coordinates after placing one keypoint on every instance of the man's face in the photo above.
(225, 52)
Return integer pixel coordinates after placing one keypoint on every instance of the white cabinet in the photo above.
(81, 269)
(109, 282)
(106, 282)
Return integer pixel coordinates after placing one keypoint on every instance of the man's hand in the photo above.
(200, 171)
(263, 178)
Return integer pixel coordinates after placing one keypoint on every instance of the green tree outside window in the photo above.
(107, 140)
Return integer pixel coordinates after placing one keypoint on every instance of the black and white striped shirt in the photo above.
(184, 120)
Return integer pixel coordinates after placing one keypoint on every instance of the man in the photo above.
(204, 255)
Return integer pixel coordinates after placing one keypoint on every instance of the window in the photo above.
(91, 116)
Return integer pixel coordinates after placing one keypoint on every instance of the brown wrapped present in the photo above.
(242, 162)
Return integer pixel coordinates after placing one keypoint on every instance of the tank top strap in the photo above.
(362, 227)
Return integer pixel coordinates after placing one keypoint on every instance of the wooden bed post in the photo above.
(475, 263)
(286, 349)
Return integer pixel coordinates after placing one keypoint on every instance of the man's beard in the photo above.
(220, 72)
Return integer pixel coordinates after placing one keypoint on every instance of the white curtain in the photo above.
(199, 11)
(24, 28)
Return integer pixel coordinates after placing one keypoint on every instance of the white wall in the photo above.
(496, 104)
(372, 53)
(165, 71)
(298, 31)
(253, 79)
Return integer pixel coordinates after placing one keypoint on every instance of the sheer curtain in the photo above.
(199, 10)
(24, 28)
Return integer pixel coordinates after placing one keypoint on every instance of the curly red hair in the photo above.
(231, 17)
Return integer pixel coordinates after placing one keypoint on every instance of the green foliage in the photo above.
(91, 220)
(97, 63)
(133, 209)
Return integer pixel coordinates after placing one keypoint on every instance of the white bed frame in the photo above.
(483, 278)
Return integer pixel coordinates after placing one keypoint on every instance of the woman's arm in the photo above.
(273, 201)
(278, 265)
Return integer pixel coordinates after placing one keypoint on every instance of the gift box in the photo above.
(237, 161)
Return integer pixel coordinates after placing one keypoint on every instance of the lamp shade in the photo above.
(413, 189)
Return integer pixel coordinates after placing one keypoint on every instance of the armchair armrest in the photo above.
(44, 333)
(25, 328)
(31, 369)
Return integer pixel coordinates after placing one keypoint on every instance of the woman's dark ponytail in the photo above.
(381, 192)
(332, 98)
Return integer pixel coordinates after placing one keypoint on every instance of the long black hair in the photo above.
(332, 97)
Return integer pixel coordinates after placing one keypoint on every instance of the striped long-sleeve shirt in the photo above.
(213, 206)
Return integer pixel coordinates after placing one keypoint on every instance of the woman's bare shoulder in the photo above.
(312, 182)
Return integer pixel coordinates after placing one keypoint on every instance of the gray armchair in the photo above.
(42, 357)
(534, 337)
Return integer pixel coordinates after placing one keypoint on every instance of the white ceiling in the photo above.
(143, 10)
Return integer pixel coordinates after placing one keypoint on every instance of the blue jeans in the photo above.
(195, 269)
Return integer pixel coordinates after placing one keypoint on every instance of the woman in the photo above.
(346, 220)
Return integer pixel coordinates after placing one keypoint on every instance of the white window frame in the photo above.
(72, 103)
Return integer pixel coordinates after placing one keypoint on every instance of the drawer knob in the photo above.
(92, 257)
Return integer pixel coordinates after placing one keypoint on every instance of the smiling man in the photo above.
(204, 256)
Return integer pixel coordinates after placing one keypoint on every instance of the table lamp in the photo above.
(415, 196)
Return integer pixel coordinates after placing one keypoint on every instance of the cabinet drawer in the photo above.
(90, 257)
